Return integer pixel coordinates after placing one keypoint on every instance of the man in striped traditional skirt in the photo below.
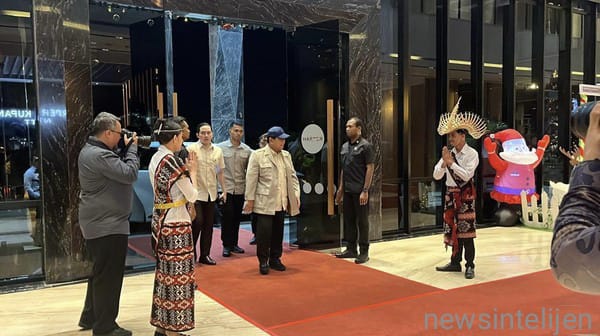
(458, 165)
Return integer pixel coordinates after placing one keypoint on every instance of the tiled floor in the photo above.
(501, 253)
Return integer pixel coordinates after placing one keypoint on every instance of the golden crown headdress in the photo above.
(450, 122)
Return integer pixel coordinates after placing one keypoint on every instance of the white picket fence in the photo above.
(542, 215)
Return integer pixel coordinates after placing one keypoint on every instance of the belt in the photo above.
(176, 204)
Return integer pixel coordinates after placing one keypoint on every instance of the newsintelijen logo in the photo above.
(551, 319)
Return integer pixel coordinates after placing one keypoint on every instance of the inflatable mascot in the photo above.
(514, 167)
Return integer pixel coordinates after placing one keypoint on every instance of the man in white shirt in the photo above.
(210, 168)
(458, 165)
(236, 155)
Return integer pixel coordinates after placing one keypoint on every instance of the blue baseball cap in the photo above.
(277, 132)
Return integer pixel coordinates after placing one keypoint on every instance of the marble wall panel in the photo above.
(220, 127)
(268, 11)
(224, 8)
(290, 14)
(361, 6)
(365, 101)
(143, 3)
(64, 104)
(226, 89)
(64, 26)
(365, 49)
(64, 109)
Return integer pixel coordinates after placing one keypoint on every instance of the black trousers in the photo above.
(269, 236)
(469, 246)
(202, 227)
(232, 215)
(356, 223)
(104, 285)
(253, 223)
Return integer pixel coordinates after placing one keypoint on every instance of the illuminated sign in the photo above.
(26, 116)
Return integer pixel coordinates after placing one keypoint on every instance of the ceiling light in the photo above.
(459, 62)
(493, 65)
(15, 13)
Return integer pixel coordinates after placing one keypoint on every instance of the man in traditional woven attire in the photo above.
(174, 196)
(458, 164)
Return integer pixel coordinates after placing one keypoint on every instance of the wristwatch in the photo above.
(365, 189)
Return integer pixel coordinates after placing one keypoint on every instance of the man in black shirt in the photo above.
(358, 163)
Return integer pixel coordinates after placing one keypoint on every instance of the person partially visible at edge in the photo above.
(236, 155)
(174, 193)
(272, 189)
(262, 142)
(211, 166)
(357, 166)
(106, 181)
(31, 182)
(31, 179)
(575, 252)
(185, 134)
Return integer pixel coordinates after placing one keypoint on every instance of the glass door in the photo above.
(314, 103)
(21, 231)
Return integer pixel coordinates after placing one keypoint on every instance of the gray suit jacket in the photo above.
(262, 180)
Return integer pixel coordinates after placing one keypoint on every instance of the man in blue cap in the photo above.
(272, 189)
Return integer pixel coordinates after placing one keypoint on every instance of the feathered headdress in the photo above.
(450, 122)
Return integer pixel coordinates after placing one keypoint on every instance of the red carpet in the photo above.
(532, 302)
(321, 295)
(314, 286)
(141, 245)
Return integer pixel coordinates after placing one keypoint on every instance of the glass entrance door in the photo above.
(314, 105)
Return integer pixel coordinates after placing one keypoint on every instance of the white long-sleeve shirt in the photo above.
(183, 188)
(467, 159)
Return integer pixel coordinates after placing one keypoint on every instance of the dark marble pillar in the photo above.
(365, 101)
(226, 79)
(61, 38)
(286, 13)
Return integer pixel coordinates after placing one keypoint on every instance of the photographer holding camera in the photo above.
(575, 258)
(106, 181)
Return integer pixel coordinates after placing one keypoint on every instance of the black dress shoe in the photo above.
(363, 258)
(346, 254)
(277, 265)
(238, 249)
(207, 260)
(469, 272)
(253, 241)
(263, 268)
(116, 332)
(226, 252)
(85, 325)
(449, 267)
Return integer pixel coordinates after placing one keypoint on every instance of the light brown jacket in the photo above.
(262, 181)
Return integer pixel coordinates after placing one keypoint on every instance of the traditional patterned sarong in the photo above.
(459, 212)
(173, 297)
